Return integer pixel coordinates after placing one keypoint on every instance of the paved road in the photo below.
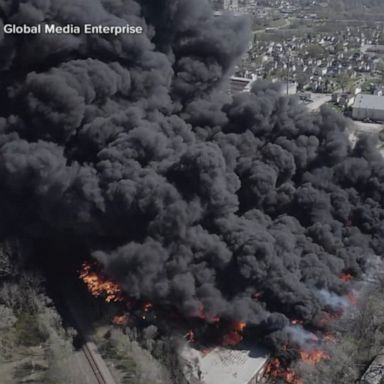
(356, 127)
(318, 100)
(370, 128)
(356, 21)
(286, 24)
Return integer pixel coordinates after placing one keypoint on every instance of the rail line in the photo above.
(95, 361)
(89, 349)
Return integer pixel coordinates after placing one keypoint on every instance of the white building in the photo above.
(223, 366)
(368, 107)
(289, 88)
(240, 84)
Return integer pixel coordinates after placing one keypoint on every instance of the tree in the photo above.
(7, 317)
(9, 254)
(344, 82)
(316, 51)
(302, 79)
(360, 338)
(380, 71)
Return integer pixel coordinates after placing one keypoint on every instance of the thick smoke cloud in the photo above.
(250, 208)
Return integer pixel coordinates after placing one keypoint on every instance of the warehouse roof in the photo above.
(240, 84)
(221, 365)
(369, 102)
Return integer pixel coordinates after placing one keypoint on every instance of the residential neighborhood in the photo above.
(310, 55)
(319, 62)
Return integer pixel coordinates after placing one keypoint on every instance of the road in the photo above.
(318, 100)
(370, 128)
(355, 21)
(356, 127)
(286, 24)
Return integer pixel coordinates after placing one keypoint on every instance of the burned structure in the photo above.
(224, 365)
(246, 208)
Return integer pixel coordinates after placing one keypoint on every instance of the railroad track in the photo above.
(92, 355)
(95, 361)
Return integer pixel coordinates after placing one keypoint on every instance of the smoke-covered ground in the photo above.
(249, 208)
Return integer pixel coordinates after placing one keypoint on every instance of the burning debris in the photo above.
(225, 366)
(280, 367)
(314, 357)
(235, 336)
(276, 370)
(238, 209)
(305, 345)
(99, 285)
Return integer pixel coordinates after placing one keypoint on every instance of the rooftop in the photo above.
(224, 366)
(369, 102)
(240, 84)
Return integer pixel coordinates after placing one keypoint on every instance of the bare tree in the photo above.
(7, 317)
(360, 338)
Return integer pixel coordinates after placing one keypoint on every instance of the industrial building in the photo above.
(368, 107)
(223, 366)
(239, 84)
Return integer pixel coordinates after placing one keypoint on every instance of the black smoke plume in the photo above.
(249, 208)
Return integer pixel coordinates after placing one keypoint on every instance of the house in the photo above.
(336, 97)
(346, 100)
(357, 90)
(379, 91)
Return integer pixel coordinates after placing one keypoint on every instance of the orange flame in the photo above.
(98, 285)
(297, 322)
(239, 326)
(275, 370)
(234, 337)
(314, 357)
(345, 277)
(120, 320)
